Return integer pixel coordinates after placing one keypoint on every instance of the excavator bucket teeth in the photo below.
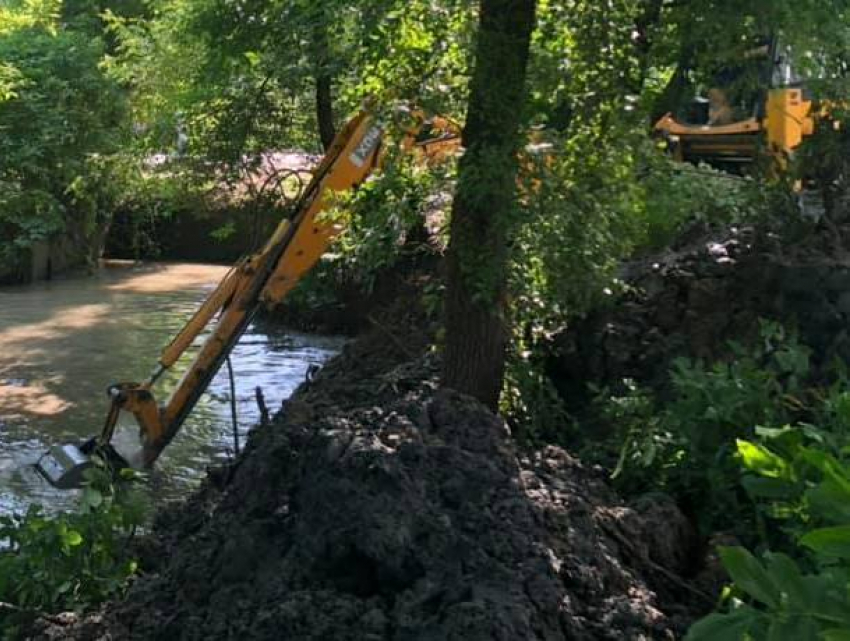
(64, 466)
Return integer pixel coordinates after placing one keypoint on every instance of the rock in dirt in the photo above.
(377, 507)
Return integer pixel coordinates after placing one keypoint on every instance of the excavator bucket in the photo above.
(64, 466)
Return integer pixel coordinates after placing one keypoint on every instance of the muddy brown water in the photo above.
(63, 342)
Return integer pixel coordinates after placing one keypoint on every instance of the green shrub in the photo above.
(50, 563)
(800, 479)
(676, 195)
(396, 214)
(686, 445)
(386, 217)
(715, 446)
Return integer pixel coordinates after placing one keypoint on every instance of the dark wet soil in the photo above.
(712, 287)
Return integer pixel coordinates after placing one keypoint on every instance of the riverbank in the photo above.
(376, 507)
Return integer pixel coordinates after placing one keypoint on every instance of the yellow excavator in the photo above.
(755, 109)
(265, 277)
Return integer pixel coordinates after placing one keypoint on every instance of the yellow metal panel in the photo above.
(199, 320)
(788, 119)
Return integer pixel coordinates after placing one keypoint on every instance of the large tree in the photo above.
(60, 121)
(484, 203)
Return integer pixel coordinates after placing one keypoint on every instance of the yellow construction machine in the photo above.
(757, 108)
(265, 277)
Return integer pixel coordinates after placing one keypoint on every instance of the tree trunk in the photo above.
(484, 203)
(325, 109)
(324, 80)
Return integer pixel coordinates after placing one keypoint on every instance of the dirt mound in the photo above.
(694, 298)
(377, 507)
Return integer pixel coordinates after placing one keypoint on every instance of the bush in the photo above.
(675, 195)
(395, 215)
(50, 563)
(754, 447)
(389, 216)
(686, 445)
(799, 477)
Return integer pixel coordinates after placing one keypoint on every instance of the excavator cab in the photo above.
(743, 110)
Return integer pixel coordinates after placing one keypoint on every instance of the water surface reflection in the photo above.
(63, 342)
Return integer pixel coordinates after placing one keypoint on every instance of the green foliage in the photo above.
(10, 81)
(799, 478)
(58, 117)
(787, 603)
(713, 445)
(536, 412)
(687, 444)
(57, 562)
(578, 214)
(394, 219)
(241, 79)
(242, 76)
(822, 163)
(676, 195)
(386, 218)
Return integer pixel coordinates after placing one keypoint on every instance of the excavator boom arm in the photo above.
(262, 278)
(268, 276)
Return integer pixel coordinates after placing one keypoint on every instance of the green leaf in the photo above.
(830, 501)
(761, 460)
(62, 589)
(749, 575)
(92, 498)
(831, 541)
(829, 600)
(768, 488)
(773, 432)
(128, 474)
(788, 577)
(72, 538)
(723, 627)
(836, 634)
(827, 464)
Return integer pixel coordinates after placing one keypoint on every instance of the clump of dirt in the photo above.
(376, 506)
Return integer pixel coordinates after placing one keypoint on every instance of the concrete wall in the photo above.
(191, 236)
(69, 252)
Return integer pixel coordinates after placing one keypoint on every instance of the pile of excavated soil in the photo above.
(375, 506)
(692, 299)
